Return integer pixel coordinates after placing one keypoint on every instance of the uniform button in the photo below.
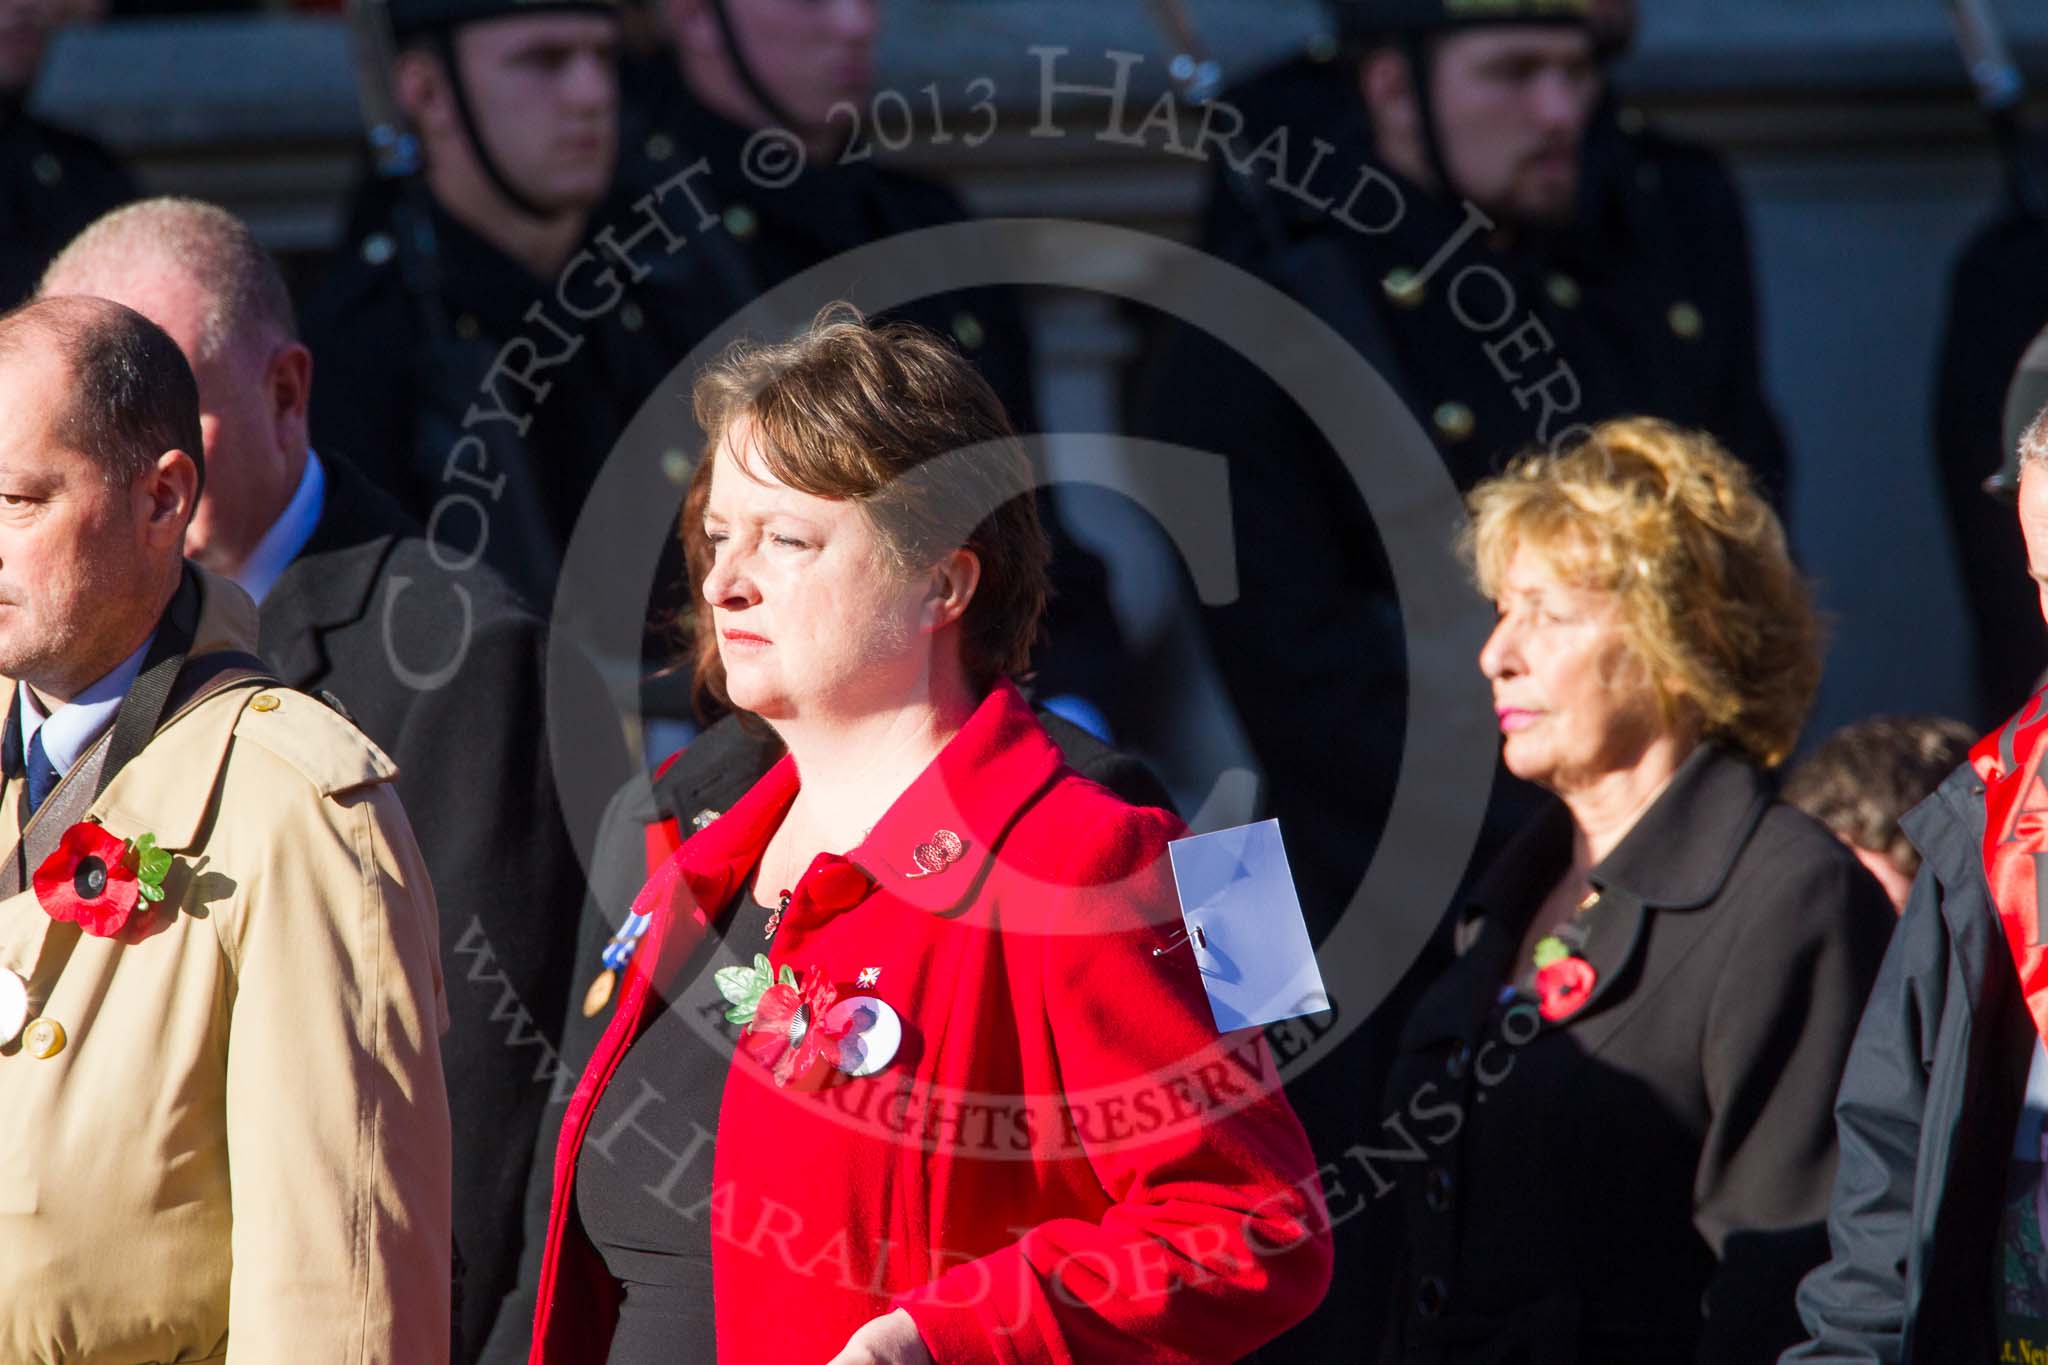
(969, 332)
(660, 147)
(1563, 291)
(1456, 1064)
(379, 248)
(1455, 421)
(265, 702)
(1432, 1296)
(48, 169)
(1436, 1190)
(742, 222)
(1686, 321)
(467, 327)
(44, 1038)
(1404, 287)
(631, 318)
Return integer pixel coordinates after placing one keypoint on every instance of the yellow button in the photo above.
(44, 1038)
(1404, 287)
(1686, 320)
(1455, 421)
(1563, 290)
(265, 702)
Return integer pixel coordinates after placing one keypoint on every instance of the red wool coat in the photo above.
(1063, 1162)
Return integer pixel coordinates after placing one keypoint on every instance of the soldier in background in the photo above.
(473, 360)
(738, 67)
(1468, 274)
(52, 181)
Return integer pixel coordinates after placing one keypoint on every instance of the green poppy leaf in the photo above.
(1550, 949)
(738, 1015)
(738, 984)
(150, 892)
(788, 977)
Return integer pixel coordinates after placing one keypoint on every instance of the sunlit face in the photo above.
(545, 92)
(808, 54)
(2034, 528)
(76, 553)
(811, 618)
(1512, 106)
(1575, 703)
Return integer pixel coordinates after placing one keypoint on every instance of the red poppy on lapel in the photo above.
(788, 1033)
(87, 881)
(1563, 987)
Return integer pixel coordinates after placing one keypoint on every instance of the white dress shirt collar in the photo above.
(287, 535)
(73, 728)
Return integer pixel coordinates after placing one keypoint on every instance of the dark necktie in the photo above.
(41, 775)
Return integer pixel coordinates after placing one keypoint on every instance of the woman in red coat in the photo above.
(895, 1074)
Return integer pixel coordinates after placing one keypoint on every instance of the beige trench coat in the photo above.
(240, 1153)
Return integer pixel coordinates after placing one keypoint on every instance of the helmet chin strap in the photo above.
(444, 47)
(1415, 50)
(751, 79)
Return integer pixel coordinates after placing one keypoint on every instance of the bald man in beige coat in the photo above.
(223, 1129)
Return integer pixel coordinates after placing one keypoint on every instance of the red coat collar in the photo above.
(975, 789)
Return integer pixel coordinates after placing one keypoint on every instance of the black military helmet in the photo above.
(411, 18)
(2024, 400)
(435, 22)
(1377, 18)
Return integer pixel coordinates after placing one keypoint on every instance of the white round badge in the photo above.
(873, 1034)
(13, 1006)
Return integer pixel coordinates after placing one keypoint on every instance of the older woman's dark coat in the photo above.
(1647, 1179)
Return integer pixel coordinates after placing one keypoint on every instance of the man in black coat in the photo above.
(439, 664)
(1937, 1218)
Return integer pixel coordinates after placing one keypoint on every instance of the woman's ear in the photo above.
(953, 581)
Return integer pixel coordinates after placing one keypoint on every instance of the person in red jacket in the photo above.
(895, 1072)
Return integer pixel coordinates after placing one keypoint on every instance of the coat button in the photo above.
(660, 147)
(969, 332)
(44, 1038)
(1686, 321)
(1436, 1190)
(1404, 287)
(265, 702)
(378, 248)
(1563, 291)
(1458, 1062)
(742, 222)
(1455, 421)
(467, 327)
(1432, 1296)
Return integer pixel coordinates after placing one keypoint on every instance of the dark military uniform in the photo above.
(402, 385)
(53, 184)
(1313, 652)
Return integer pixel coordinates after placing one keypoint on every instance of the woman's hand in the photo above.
(891, 1339)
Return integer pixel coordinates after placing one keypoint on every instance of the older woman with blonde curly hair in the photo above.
(1618, 1096)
